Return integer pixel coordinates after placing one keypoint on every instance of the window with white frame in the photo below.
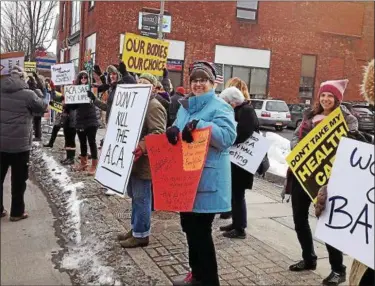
(255, 78)
(62, 54)
(63, 16)
(74, 56)
(122, 37)
(91, 4)
(247, 10)
(91, 45)
(76, 16)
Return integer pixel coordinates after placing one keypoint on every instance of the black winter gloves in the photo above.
(97, 70)
(172, 134)
(165, 73)
(122, 68)
(91, 95)
(187, 131)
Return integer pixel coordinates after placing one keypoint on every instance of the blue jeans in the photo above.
(140, 193)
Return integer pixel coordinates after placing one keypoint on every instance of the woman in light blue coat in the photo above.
(199, 110)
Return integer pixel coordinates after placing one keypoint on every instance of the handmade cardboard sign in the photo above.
(249, 155)
(123, 133)
(348, 220)
(63, 74)
(9, 60)
(176, 169)
(30, 67)
(77, 94)
(143, 54)
(312, 159)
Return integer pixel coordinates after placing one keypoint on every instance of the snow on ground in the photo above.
(81, 256)
(279, 150)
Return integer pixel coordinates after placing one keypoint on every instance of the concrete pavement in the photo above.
(29, 246)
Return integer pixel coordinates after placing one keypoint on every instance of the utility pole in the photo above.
(161, 15)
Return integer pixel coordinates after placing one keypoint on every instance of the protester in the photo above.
(139, 186)
(175, 104)
(18, 104)
(330, 96)
(166, 82)
(87, 125)
(248, 123)
(202, 109)
(55, 96)
(68, 122)
(360, 274)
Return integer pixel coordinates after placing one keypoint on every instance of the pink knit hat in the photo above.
(336, 87)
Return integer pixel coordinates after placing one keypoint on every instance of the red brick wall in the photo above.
(341, 34)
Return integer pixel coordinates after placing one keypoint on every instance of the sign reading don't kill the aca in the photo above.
(143, 54)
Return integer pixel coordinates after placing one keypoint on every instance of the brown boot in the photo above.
(82, 166)
(92, 169)
(125, 236)
(134, 242)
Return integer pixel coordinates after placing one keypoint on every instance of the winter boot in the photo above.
(92, 169)
(125, 236)
(82, 166)
(70, 154)
(134, 242)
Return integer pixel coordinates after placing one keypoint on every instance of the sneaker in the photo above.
(302, 265)
(110, 193)
(334, 279)
(125, 236)
(234, 233)
(188, 281)
(134, 242)
(228, 227)
(4, 213)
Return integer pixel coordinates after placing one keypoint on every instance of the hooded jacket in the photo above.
(17, 105)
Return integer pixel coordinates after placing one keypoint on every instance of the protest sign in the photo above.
(56, 106)
(176, 169)
(348, 220)
(143, 54)
(311, 160)
(8, 60)
(63, 74)
(123, 133)
(77, 94)
(30, 67)
(249, 155)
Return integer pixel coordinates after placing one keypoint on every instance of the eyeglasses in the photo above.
(199, 81)
(84, 77)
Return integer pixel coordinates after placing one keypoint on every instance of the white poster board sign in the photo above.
(348, 220)
(76, 94)
(63, 74)
(9, 60)
(249, 155)
(123, 133)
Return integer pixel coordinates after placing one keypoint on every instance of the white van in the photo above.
(273, 113)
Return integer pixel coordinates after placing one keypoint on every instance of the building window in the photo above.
(307, 80)
(91, 45)
(63, 16)
(74, 56)
(76, 16)
(91, 4)
(255, 78)
(122, 38)
(247, 10)
(62, 56)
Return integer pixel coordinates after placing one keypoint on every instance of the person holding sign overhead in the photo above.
(330, 96)
(247, 121)
(201, 109)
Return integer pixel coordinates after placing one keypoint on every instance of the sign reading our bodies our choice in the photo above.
(63, 74)
(143, 54)
(312, 159)
(123, 133)
(77, 94)
(249, 155)
(348, 220)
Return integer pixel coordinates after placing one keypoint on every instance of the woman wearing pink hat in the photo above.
(330, 96)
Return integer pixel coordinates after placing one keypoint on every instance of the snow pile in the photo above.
(83, 255)
(279, 150)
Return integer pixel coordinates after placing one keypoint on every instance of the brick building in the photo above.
(281, 49)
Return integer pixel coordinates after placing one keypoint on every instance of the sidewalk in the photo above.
(262, 258)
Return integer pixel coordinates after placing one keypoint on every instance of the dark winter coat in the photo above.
(247, 124)
(304, 128)
(17, 105)
(173, 107)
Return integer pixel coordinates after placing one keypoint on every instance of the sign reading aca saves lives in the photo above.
(312, 159)
(142, 54)
(123, 133)
(348, 220)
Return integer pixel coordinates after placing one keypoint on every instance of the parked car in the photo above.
(274, 113)
(364, 114)
(296, 113)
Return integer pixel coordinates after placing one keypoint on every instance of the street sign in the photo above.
(150, 25)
